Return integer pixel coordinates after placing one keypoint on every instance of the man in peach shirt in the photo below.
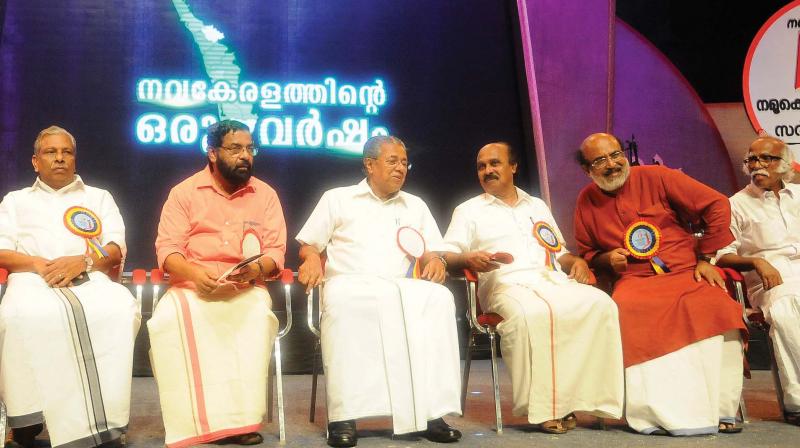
(211, 334)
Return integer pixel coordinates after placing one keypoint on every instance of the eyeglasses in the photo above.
(602, 162)
(764, 159)
(235, 150)
(392, 163)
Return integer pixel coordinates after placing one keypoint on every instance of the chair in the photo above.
(139, 278)
(753, 318)
(486, 323)
(317, 361)
(286, 277)
(481, 323)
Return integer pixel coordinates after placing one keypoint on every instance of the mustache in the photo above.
(491, 176)
(609, 171)
(761, 171)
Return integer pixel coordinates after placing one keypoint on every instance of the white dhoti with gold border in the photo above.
(210, 361)
(390, 348)
(67, 355)
(561, 343)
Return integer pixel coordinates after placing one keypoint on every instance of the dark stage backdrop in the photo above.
(136, 83)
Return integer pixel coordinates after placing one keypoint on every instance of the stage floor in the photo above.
(765, 427)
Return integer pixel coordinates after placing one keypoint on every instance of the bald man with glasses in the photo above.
(681, 339)
(765, 219)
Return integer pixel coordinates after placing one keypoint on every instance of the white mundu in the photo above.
(389, 344)
(559, 338)
(67, 353)
(768, 227)
(210, 358)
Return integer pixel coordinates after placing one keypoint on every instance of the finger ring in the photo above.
(61, 275)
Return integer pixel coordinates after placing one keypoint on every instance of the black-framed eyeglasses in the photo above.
(764, 159)
(392, 163)
(602, 162)
(235, 150)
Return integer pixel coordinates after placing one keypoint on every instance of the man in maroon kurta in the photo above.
(680, 329)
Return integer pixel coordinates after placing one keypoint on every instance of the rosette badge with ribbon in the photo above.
(643, 240)
(83, 222)
(412, 244)
(547, 238)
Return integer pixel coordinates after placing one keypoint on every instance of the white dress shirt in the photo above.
(766, 226)
(32, 219)
(486, 223)
(358, 230)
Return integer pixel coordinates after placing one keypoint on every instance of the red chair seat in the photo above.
(490, 319)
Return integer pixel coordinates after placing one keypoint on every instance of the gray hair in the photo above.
(52, 130)
(372, 148)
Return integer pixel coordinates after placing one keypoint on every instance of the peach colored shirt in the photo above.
(205, 225)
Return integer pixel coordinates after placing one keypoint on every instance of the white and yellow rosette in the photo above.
(642, 240)
(548, 239)
(83, 222)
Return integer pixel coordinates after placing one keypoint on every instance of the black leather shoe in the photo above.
(26, 435)
(342, 434)
(440, 432)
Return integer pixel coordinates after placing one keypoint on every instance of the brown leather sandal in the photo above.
(552, 427)
(570, 421)
(729, 428)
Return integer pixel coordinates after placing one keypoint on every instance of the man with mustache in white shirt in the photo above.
(765, 219)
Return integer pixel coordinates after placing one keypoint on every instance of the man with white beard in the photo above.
(681, 340)
(765, 219)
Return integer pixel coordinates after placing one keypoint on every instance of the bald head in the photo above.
(768, 162)
(602, 158)
(768, 143)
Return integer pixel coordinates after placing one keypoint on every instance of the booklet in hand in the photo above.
(237, 267)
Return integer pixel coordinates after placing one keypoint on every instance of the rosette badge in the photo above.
(643, 240)
(548, 239)
(83, 222)
(412, 244)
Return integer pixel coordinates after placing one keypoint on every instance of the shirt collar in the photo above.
(788, 188)
(76, 184)
(206, 180)
(522, 196)
(363, 188)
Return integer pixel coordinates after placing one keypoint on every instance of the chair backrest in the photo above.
(3, 279)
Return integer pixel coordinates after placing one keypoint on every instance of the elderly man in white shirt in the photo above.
(560, 337)
(66, 330)
(389, 342)
(765, 219)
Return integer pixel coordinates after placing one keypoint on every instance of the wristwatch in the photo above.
(89, 263)
(711, 259)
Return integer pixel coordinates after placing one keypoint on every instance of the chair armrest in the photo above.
(471, 283)
(310, 310)
(286, 277)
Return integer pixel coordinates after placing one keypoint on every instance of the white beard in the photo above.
(613, 184)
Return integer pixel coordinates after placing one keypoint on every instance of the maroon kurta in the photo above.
(659, 314)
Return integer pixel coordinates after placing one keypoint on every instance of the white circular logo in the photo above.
(771, 77)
